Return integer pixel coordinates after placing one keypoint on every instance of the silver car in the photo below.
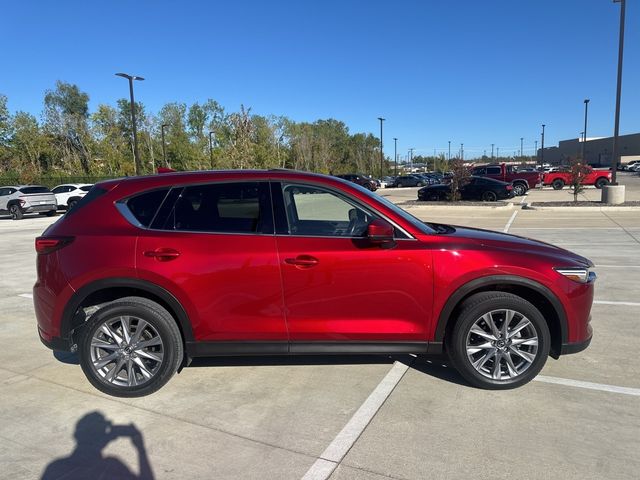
(16, 200)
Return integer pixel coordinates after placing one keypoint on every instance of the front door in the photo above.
(337, 286)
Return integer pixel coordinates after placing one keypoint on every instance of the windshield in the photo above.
(416, 222)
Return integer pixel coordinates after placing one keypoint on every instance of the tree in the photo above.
(460, 177)
(577, 172)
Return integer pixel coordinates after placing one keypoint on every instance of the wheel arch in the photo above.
(106, 290)
(537, 294)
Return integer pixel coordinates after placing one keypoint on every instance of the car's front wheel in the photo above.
(499, 341)
(130, 347)
(519, 189)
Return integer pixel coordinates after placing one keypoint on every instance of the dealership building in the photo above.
(597, 150)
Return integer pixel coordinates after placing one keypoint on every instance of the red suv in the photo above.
(146, 273)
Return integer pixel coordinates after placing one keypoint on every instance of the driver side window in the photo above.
(313, 211)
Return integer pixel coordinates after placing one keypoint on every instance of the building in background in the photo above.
(597, 150)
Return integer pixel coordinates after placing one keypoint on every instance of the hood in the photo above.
(492, 239)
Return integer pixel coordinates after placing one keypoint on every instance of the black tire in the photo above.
(16, 212)
(51, 213)
(71, 204)
(471, 311)
(399, 185)
(433, 197)
(165, 328)
(558, 184)
(519, 189)
(601, 182)
(489, 196)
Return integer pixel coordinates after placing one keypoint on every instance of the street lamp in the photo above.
(492, 150)
(542, 147)
(381, 153)
(395, 154)
(211, 134)
(136, 158)
(411, 159)
(164, 150)
(616, 130)
(521, 140)
(584, 138)
(462, 152)
(449, 150)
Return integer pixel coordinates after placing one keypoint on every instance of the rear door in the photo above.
(213, 245)
(338, 287)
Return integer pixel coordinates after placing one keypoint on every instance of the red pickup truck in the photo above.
(522, 181)
(559, 179)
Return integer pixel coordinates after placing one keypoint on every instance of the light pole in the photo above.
(616, 130)
(542, 147)
(164, 149)
(411, 159)
(449, 151)
(462, 152)
(395, 155)
(381, 153)
(521, 140)
(492, 150)
(584, 138)
(136, 158)
(211, 134)
(536, 148)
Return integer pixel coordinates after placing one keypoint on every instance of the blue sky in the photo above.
(469, 71)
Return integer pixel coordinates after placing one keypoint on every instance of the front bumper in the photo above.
(576, 347)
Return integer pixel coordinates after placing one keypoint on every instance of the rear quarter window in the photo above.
(144, 206)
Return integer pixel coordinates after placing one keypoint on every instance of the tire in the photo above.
(16, 212)
(51, 213)
(489, 196)
(519, 189)
(419, 184)
(433, 197)
(601, 182)
(558, 184)
(71, 204)
(160, 358)
(524, 365)
(399, 185)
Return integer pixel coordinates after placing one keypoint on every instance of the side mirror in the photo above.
(380, 232)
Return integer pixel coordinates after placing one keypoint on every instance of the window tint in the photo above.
(318, 212)
(28, 190)
(145, 206)
(4, 191)
(86, 188)
(223, 208)
(59, 190)
(480, 171)
(494, 170)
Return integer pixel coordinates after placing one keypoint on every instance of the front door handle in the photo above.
(302, 261)
(163, 254)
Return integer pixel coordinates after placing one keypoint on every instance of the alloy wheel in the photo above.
(502, 344)
(126, 351)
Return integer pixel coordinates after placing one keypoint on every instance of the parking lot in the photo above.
(345, 417)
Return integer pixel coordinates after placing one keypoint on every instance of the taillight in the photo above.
(45, 245)
(509, 187)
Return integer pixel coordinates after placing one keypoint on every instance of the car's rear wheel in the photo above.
(51, 213)
(601, 182)
(399, 185)
(519, 189)
(499, 341)
(558, 184)
(489, 196)
(71, 204)
(16, 212)
(130, 347)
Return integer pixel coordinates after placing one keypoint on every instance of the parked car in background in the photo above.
(428, 178)
(522, 181)
(361, 180)
(387, 181)
(146, 273)
(562, 177)
(412, 180)
(69, 194)
(478, 188)
(17, 200)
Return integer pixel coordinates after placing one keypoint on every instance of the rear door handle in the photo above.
(162, 254)
(302, 261)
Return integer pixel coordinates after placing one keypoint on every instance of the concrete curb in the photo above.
(614, 208)
(473, 208)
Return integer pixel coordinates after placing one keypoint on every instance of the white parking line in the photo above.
(508, 225)
(26, 295)
(617, 266)
(608, 302)
(589, 385)
(338, 448)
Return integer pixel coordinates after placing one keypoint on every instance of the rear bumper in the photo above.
(39, 208)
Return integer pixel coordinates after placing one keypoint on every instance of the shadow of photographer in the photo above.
(92, 434)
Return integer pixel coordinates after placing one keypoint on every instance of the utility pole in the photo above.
(381, 153)
(164, 148)
(616, 129)
(462, 152)
(521, 144)
(449, 151)
(492, 150)
(584, 138)
(542, 147)
(395, 155)
(411, 159)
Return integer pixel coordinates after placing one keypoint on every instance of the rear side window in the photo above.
(145, 205)
(28, 190)
(242, 207)
(494, 170)
(86, 188)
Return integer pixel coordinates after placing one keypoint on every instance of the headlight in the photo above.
(577, 274)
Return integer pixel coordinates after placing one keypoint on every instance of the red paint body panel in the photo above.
(251, 287)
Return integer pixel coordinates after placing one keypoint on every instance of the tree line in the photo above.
(70, 140)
